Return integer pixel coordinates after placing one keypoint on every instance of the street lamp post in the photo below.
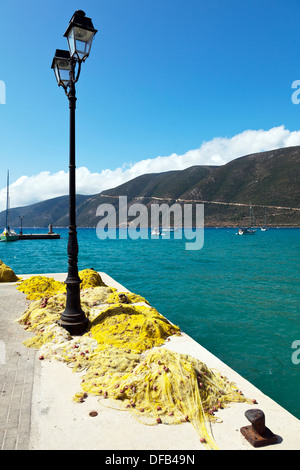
(80, 34)
(21, 217)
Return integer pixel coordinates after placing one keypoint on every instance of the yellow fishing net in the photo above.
(37, 287)
(124, 361)
(160, 386)
(125, 297)
(130, 327)
(7, 274)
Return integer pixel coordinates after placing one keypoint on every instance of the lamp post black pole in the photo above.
(80, 34)
(73, 319)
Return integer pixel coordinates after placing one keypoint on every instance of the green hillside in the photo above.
(270, 181)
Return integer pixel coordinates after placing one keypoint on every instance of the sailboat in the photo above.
(248, 230)
(8, 235)
(158, 232)
(265, 227)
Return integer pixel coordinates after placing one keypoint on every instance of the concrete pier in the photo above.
(37, 411)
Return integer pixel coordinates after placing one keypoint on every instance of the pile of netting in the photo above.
(37, 287)
(7, 274)
(122, 357)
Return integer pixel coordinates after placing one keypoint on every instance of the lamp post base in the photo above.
(73, 319)
(75, 329)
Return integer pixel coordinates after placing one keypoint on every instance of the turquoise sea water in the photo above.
(238, 296)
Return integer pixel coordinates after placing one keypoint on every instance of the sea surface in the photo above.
(238, 296)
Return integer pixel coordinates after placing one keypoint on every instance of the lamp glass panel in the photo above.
(64, 76)
(56, 71)
(62, 70)
(80, 41)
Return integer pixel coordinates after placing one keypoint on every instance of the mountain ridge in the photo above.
(265, 179)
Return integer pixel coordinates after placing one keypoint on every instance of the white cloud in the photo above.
(218, 151)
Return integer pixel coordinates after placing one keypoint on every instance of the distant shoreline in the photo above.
(193, 227)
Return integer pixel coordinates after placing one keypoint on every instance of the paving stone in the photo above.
(17, 364)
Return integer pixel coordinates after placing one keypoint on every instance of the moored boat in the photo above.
(248, 230)
(265, 227)
(8, 235)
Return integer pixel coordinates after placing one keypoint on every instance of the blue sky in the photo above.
(168, 84)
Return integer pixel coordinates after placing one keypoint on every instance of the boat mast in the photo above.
(265, 217)
(7, 202)
(252, 219)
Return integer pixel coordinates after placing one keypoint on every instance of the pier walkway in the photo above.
(37, 411)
